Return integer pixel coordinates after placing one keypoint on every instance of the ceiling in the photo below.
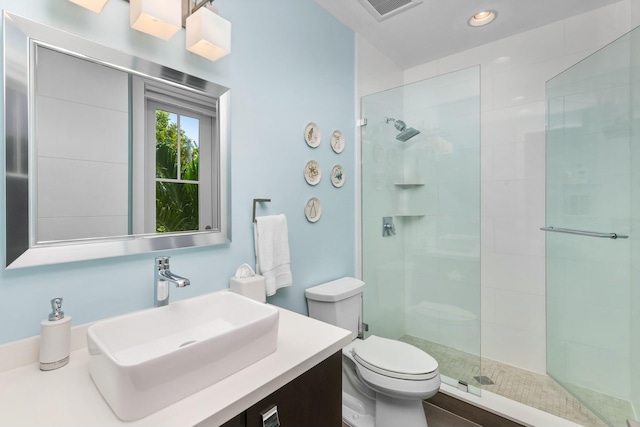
(437, 28)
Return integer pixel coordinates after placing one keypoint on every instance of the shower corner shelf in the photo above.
(408, 184)
(409, 215)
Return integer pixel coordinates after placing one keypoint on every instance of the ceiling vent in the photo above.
(383, 9)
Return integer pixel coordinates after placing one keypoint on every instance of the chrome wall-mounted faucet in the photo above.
(162, 278)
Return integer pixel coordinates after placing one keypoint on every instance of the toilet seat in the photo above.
(395, 359)
(380, 365)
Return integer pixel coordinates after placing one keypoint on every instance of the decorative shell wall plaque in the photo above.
(313, 209)
(312, 134)
(337, 141)
(337, 176)
(312, 172)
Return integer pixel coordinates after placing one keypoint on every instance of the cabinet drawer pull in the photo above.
(270, 417)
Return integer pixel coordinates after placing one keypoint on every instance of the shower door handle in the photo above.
(585, 233)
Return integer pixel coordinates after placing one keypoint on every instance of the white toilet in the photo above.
(383, 381)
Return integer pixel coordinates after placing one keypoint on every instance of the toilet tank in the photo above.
(338, 302)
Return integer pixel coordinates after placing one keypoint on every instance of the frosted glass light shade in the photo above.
(208, 34)
(159, 18)
(93, 5)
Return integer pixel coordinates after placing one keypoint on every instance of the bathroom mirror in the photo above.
(107, 154)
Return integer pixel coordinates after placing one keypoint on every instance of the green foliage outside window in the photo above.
(176, 203)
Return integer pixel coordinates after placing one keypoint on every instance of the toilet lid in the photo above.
(394, 358)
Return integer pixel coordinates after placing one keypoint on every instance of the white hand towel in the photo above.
(272, 252)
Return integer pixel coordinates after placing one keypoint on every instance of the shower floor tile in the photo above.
(532, 389)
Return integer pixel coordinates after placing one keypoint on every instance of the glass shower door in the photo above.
(589, 186)
(421, 219)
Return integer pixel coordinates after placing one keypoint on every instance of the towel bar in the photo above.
(254, 206)
(585, 233)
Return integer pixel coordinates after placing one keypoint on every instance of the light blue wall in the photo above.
(292, 63)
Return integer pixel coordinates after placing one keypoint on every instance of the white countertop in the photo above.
(67, 396)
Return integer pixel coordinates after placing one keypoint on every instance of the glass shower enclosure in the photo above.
(421, 219)
(592, 220)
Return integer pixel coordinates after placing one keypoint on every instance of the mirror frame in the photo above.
(21, 249)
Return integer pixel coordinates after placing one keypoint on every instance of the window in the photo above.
(180, 172)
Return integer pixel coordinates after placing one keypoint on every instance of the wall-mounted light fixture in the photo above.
(162, 19)
(93, 5)
(207, 33)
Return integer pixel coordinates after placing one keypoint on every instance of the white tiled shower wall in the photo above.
(92, 201)
(513, 75)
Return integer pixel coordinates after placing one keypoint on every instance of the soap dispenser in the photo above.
(55, 338)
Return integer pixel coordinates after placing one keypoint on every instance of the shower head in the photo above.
(405, 132)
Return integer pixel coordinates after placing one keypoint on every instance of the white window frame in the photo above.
(150, 96)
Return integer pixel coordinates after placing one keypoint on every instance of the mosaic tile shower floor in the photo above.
(529, 388)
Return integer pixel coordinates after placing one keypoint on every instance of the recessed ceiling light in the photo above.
(502, 59)
(482, 18)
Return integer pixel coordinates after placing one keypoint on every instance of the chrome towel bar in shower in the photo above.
(585, 233)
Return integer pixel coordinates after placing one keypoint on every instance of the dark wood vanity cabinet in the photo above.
(314, 399)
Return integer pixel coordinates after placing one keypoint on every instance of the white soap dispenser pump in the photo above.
(55, 338)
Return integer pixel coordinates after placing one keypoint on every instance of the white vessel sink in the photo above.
(144, 361)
